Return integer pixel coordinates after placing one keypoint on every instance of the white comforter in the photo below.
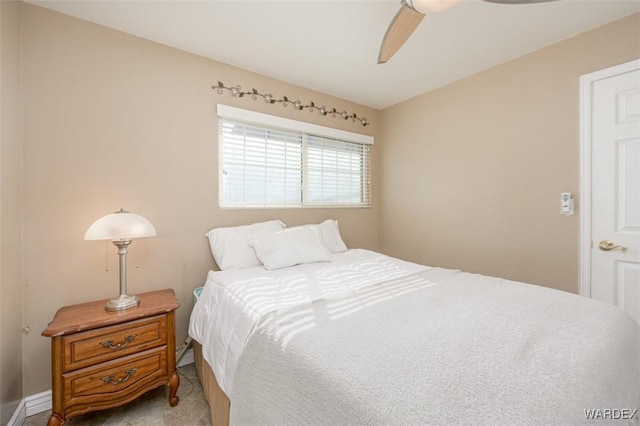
(233, 301)
(441, 347)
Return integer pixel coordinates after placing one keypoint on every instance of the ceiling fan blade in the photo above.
(517, 1)
(402, 26)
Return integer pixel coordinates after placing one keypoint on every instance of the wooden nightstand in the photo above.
(103, 359)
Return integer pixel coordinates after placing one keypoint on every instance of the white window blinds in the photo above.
(336, 172)
(264, 166)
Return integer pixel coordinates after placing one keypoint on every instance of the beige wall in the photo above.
(488, 157)
(10, 209)
(115, 121)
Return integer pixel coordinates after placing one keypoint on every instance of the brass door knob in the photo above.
(605, 245)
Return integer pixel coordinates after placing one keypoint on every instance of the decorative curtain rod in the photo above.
(270, 99)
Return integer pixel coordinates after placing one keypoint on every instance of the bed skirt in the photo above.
(218, 401)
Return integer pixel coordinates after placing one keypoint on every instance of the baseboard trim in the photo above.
(19, 415)
(34, 404)
(38, 403)
(187, 358)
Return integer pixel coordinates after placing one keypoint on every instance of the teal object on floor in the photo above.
(196, 294)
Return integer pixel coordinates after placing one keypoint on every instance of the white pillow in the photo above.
(289, 247)
(331, 236)
(230, 246)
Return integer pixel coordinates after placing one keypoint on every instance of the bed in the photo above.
(364, 338)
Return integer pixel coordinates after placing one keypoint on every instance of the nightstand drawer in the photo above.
(114, 382)
(107, 343)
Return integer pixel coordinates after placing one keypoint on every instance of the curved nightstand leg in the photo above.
(174, 382)
(55, 420)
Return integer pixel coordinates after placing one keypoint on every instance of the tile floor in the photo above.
(151, 408)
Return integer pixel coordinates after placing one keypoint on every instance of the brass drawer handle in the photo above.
(109, 343)
(110, 378)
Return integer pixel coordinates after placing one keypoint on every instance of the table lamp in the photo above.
(121, 227)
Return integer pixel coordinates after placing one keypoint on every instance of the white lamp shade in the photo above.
(120, 225)
(433, 6)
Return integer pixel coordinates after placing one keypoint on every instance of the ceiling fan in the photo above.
(409, 17)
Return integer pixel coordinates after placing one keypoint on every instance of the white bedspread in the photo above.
(441, 347)
(233, 301)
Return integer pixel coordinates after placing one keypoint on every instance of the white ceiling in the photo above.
(332, 46)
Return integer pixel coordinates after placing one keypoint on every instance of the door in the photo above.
(611, 165)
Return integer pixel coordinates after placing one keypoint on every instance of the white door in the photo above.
(611, 129)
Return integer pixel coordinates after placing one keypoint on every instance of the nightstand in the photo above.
(103, 359)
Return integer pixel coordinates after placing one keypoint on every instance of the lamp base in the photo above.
(123, 302)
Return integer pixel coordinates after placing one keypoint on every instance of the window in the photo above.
(267, 161)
